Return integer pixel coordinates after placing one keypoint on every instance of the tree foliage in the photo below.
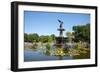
(25, 37)
(53, 37)
(36, 38)
(82, 33)
(31, 37)
(70, 36)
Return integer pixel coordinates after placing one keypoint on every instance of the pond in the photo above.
(53, 53)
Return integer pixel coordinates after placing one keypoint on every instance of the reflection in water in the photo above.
(51, 52)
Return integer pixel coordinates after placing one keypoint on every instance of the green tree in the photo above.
(69, 36)
(26, 37)
(82, 33)
(53, 37)
(45, 39)
(33, 37)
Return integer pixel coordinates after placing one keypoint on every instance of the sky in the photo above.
(46, 23)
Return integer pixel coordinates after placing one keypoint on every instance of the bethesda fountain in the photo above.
(60, 40)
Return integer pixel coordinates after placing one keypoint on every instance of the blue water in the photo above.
(41, 55)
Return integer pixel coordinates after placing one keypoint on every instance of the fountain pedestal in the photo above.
(60, 40)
